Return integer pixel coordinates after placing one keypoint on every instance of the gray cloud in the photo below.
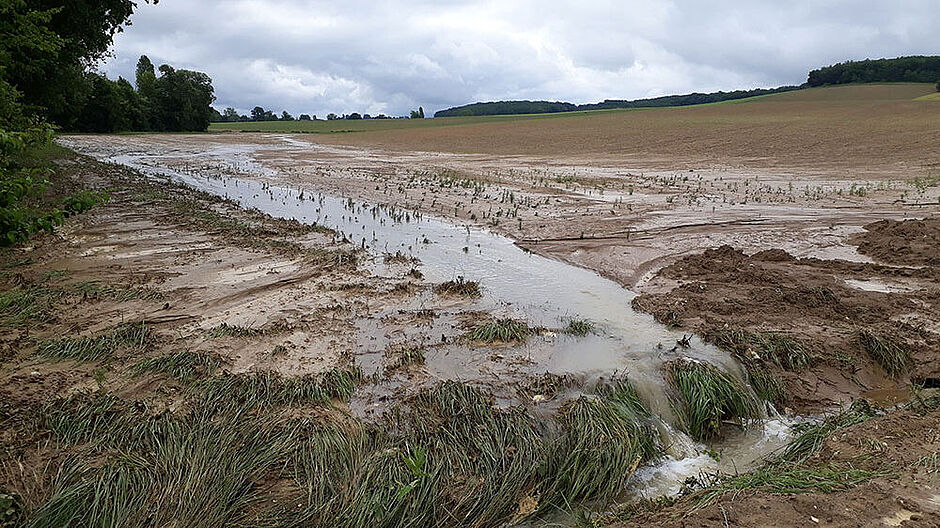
(319, 57)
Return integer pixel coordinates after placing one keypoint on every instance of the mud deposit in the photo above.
(423, 339)
(544, 294)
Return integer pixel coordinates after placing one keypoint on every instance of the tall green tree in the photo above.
(182, 100)
(25, 34)
(52, 81)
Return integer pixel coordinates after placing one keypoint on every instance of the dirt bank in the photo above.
(820, 333)
(809, 321)
(895, 457)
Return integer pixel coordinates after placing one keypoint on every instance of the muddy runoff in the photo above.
(546, 294)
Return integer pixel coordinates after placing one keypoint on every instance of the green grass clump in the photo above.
(181, 471)
(482, 460)
(767, 386)
(102, 345)
(460, 286)
(268, 389)
(779, 348)
(181, 366)
(891, 353)
(87, 417)
(408, 357)
(500, 331)
(579, 327)
(446, 456)
(30, 304)
(788, 479)
(810, 437)
(705, 396)
(604, 441)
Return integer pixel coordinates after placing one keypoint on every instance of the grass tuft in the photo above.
(180, 471)
(269, 389)
(604, 441)
(181, 366)
(891, 353)
(460, 286)
(705, 396)
(781, 349)
(767, 386)
(500, 331)
(787, 479)
(102, 345)
(579, 327)
(407, 357)
(811, 437)
(28, 304)
(227, 330)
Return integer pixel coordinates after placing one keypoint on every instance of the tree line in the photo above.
(258, 113)
(925, 69)
(545, 107)
(916, 68)
(49, 51)
(175, 100)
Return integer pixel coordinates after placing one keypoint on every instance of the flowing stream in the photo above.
(517, 283)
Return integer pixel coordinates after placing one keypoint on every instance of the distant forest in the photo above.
(901, 69)
(546, 107)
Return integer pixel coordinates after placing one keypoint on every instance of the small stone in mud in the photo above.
(35, 374)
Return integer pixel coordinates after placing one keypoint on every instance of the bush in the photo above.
(22, 186)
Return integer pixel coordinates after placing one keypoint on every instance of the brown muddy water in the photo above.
(516, 283)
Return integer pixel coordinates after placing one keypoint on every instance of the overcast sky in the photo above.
(391, 56)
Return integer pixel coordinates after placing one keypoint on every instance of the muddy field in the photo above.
(857, 128)
(470, 338)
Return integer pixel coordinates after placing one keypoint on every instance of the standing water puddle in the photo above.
(516, 283)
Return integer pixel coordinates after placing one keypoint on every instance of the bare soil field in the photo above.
(859, 127)
(785, 249)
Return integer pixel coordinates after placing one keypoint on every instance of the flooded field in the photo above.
(493, 340)
(545, 294)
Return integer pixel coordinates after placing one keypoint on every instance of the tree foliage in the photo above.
(176, 100)
(50, 73)
(548, 107)
(902, 69)
(46, 49)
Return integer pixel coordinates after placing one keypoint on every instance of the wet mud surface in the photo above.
(786, 274)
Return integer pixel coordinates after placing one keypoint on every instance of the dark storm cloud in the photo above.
(319, 57)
